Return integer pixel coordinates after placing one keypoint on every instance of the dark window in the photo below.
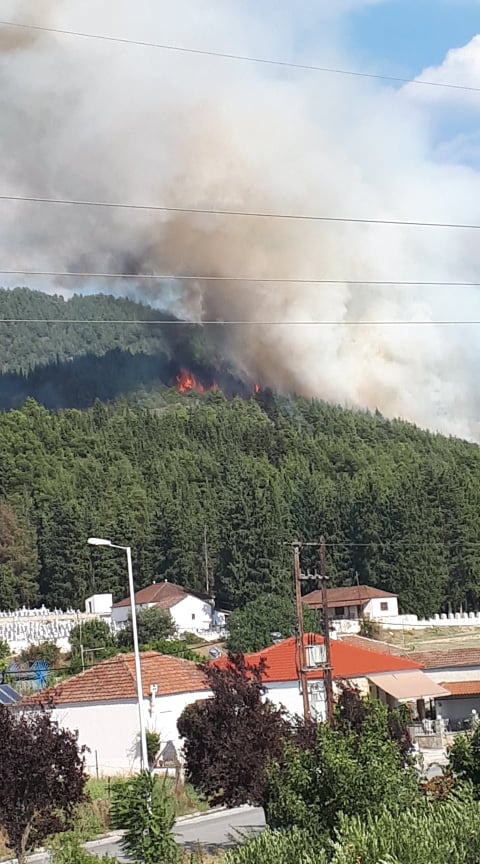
(193, 616)
(384, 606)
(339, 610)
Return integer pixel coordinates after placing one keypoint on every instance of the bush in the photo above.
(68, 849)
(152, 624)
(439, 833)
(464, 757)
(357, 772)
(142, 809)
(279, 847)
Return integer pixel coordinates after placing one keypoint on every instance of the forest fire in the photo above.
(187, 382)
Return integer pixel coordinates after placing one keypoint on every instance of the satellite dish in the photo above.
(214, 653)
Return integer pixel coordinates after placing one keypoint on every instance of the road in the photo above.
(210, 831)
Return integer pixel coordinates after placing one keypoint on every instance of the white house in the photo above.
(101, 704)
(191, 612)
(388, 677)
(355, 602)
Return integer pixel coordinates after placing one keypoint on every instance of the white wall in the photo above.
(461, 673)
(374, 607)
(189, 615)
(110, 730)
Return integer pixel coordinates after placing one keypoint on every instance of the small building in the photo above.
(388, 677)
(458, 671)
(101, 705)
(355, 602)
(191, 612)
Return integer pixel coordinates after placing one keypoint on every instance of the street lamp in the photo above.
(98, 541)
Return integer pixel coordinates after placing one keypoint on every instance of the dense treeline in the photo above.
(399, 507)
(28, 338)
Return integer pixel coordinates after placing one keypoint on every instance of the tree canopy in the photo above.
(42, 778)
(158, 470)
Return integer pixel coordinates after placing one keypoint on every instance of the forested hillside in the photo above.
(397, 505)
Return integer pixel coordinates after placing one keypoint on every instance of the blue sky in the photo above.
(401, 37)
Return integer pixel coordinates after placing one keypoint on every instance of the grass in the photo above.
(93, 817)
(434, 638)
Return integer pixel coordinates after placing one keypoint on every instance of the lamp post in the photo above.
(98, 541)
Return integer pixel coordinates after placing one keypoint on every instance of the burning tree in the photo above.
(42, 778)
(232, 738)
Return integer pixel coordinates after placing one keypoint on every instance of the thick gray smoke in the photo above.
(86, 119)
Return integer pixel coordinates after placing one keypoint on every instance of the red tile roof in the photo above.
(114, 680)
(462, 688)
(162, 594)
(347, 661)
(352, 596)
(444, 659)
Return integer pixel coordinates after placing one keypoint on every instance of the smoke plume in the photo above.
(93, 120)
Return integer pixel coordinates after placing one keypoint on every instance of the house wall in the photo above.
(287, 694)
(458, 708)
(455, 673)
(189, 615)
(110, 730)
(192, 614)
(374, 607)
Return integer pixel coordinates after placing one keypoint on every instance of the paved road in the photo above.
(217, 830)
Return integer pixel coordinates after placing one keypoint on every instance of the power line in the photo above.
(211, 211)
(240, 57)
(255, 279)
(227, 323)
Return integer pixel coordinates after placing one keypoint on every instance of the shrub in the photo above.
(356, 772)
(279, 847)
(142, 809)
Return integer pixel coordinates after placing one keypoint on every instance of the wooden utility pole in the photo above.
(301, 652)
(327, 670)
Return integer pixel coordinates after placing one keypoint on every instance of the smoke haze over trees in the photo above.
(158, 127)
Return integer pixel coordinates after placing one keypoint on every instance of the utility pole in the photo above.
(302, 655)
(327, 671)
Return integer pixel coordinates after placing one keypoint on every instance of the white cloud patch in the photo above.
(88, 119)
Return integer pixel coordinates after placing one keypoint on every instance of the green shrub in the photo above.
(278, 847)
(445, 832)
(356, 772)
(142, 809)
(68, 849)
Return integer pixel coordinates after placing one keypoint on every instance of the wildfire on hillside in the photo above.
(187, 382)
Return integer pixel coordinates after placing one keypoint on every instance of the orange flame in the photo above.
(187, 383)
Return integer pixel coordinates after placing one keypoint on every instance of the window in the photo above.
(384, 606)
(339, 611)
(193, 616)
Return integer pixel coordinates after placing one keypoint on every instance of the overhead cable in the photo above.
(309, 67)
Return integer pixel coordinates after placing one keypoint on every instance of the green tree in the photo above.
(464, 757)
(250, 629)
(142, 810)
(91, 643)
(354, 771)
(152, 624)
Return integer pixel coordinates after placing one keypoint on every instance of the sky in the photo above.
(402, 37)
(92, 120)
